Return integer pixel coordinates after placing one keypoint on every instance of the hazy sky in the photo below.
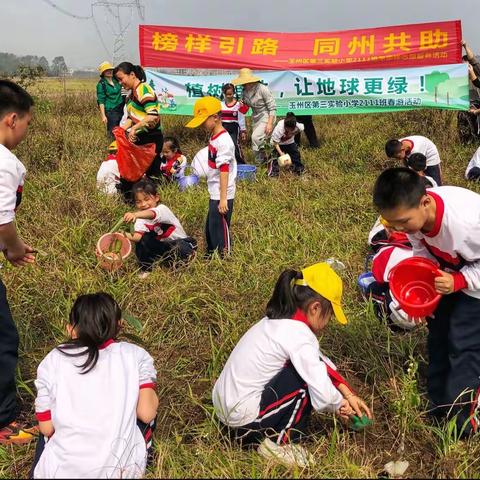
(34, 27)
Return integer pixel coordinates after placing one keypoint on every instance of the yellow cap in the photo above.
(104, 66)
(203, 108)
(113, 146)
(324, 280)
(384, 222)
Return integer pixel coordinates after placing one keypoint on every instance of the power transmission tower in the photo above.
(117, 23)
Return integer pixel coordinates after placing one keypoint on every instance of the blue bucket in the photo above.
(246, 172)
(187, 181)
(364, 281)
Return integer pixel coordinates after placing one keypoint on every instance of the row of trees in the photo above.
(11, 64)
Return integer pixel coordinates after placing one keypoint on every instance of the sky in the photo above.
(34, 27)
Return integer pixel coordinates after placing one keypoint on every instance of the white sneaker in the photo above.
(290, 455)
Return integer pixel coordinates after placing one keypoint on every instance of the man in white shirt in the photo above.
(15, 115)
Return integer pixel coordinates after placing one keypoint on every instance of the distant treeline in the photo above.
(10, 64)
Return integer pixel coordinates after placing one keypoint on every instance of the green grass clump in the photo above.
(193, 317)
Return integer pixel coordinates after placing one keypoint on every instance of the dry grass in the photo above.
(197, 314)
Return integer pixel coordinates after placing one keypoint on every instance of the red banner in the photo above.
(386, 47)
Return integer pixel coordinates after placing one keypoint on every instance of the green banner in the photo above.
(322, 93)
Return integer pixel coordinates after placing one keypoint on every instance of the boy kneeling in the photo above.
(443, 224)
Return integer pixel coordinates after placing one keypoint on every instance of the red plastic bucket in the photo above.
(412, 283)
(107, 258)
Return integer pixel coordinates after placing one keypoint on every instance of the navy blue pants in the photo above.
(169, 252)
(217, 228)
(233, 128)
(453, 376)
(8, 361)
(474, 173)
(285, 409)
(114, 117)
(297, 165)
(434, 172)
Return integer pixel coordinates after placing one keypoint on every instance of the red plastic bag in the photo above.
(133, 160)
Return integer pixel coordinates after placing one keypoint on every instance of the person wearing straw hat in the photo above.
(259, 98)
(276, 374)
(109, 97)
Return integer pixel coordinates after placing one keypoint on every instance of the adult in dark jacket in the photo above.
(109, 97)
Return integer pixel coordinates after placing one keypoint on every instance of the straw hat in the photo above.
(246, 76)
(104, 67)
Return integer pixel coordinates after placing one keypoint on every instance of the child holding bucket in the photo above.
(96, 401)
(443, 225)
(158, 234)
(283, 139)
(221, 173)
(276, 374)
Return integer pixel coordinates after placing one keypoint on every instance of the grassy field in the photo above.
(193, 317)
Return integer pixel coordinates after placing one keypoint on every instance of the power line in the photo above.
(65, 12)
(113, 8)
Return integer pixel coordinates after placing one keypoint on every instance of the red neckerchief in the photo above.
(300, 317)
(440, 210)
(106, 344)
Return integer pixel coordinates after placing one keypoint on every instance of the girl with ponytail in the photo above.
(97, 396)
(276, 374)
(143, 117)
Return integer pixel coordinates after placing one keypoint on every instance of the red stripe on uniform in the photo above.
(279, 402)
(380, 262)
(167, 232)
(147, 385)
(43, 416)
(336, 378)
(302, 407)
(446, 257)
(438, 214)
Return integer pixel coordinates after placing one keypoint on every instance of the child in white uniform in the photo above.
(277, 373)
(92, 393)
(473, 168)
(283, 139)
(221, 174)
(158, 234)
(233, 118)
(108, 175)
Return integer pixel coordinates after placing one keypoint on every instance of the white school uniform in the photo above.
(454, 241)
(221, 158)
(165, 224)
(426, 146)
(94, 414)
(259, 355)
(200, 162)
(474, 162)
(280, 135)
(12, 178)
(234, 113)
(108, 176)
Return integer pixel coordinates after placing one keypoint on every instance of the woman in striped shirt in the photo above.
(143, 111)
